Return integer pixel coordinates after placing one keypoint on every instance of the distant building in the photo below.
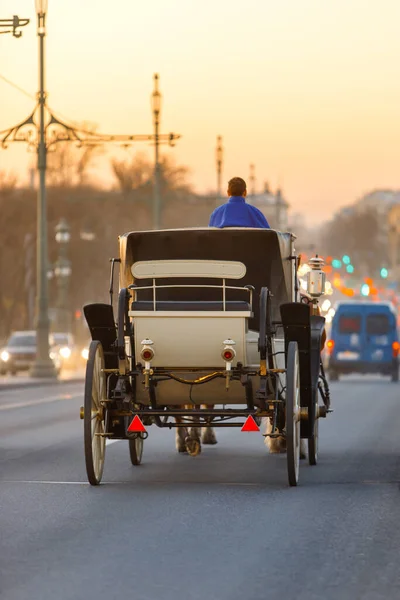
(380, 200)
(273, 206)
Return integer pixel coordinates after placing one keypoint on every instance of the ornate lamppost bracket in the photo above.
(14, 23)
(57, 131)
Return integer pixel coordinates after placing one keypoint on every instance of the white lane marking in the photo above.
(110, 441)
(52, 482)
(132, 482)
(26, 404)
(208, 483)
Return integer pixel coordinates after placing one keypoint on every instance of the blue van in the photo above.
(364, 340)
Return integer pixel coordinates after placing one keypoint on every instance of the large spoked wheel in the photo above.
(293, 413)
(136, 449)
(313, 441)
(94, 414)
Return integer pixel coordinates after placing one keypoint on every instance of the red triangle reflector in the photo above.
(250, 425)
(136, 425)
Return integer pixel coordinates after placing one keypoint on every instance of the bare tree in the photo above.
(68, 164)
(8, 182)
(136, 175)
(133, 175)
(358, 234)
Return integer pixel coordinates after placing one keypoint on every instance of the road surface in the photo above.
(221, 526)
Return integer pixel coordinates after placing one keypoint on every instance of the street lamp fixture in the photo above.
(156, 97)
(63, 235)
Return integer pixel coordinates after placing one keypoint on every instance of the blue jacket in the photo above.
(237, 213)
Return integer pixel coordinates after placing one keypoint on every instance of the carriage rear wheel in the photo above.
(293, 413)
(94, 414)
(136, 449)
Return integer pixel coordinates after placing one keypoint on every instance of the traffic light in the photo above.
(365, 289)
(346, 259)
(350, 268)
(384, 273)
(336, 263)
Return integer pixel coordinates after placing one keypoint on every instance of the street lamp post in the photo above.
(156, 108)
(252, 181)
(219, 159)
(159, 138)
(62, 272)
(43, 365)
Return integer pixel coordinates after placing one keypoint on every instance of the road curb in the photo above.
(40, 383)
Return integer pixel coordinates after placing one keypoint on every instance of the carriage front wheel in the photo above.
(293, 413)
(94, 414)
(136, 449)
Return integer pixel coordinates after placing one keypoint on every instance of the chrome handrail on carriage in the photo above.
(224, 287)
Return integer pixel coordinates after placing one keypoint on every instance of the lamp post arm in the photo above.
(14, 23)
(58, 130)
(14, 133)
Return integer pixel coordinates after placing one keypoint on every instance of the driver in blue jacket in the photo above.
(236, 212)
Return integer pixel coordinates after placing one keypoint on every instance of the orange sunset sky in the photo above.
(307, 90)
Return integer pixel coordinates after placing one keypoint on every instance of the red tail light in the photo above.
(147, 354)
(228, 354)
(395, 349)
(330, 344)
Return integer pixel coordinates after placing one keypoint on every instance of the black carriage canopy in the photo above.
(265, 253)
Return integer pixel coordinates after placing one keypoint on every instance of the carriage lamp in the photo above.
(147, 354)
(228, 354)
(316, 277)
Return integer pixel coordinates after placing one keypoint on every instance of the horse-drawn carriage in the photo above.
(211, 331)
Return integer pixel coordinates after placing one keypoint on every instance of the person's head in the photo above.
(237, 187)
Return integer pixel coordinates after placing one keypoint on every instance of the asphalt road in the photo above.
(223, 526)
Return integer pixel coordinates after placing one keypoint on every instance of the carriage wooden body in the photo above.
(209, 330)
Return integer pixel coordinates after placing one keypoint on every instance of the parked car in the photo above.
(364, 339)
(19, 353)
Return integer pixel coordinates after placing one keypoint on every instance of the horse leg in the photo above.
(193, 443)
(303, 448)
(208, 433)
(180, 436)
(276, 445)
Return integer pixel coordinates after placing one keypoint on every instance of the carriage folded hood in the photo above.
(265, 252)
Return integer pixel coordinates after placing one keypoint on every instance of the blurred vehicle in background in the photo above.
(71, 355)
(363, 339)
(19, 353)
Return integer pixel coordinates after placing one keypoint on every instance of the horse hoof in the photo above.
(276, 445)
(181, 446)
(209, 438)
(193, 446)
